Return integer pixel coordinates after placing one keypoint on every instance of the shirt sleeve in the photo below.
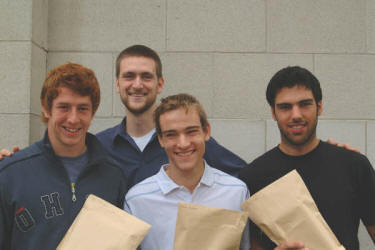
(4, 225)
(223, 159)
(367, 190)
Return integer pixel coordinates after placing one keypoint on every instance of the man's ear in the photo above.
(273, 113)
(160, 138)
(45, 112)
(320, 108)
(207, 132)
(117, 85)
(160, 84)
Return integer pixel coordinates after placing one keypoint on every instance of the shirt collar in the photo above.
(120, 131)
(167, 185)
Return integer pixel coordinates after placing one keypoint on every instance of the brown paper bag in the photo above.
(285, 210)
(100, 226)
(207, 228)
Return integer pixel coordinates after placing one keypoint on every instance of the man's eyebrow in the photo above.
(192, 127)
(168, 131)
(306, 100)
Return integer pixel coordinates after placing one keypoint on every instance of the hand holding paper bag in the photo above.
(100, 226)
(285, 211)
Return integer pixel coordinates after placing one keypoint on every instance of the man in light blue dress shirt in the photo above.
(182, 128)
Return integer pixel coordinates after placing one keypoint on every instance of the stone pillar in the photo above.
(23, 52)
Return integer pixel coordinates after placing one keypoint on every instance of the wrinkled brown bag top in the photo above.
(285, 210)
(207, 228)
(103, 226)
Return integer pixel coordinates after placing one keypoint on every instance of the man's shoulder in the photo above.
(225, 179)
(107, 133)
(263, 161)
(342, 155)
(19, 158)
(144, 188)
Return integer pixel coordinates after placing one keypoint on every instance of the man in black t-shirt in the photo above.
(341, 182)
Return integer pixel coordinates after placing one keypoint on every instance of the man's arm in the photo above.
(371, 232)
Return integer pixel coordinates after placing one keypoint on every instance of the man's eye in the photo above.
(284, 107)
(83, 108)
(128, 76)
(192, 132)
(305, 104)
(62, 107)
(147, 76)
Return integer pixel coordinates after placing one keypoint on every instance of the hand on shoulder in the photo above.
(6, 152)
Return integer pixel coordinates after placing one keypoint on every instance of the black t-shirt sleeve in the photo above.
(366, 192)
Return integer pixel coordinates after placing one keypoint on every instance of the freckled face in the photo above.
(68, 122)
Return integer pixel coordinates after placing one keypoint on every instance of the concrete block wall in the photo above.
(23, 54)
(223, 52)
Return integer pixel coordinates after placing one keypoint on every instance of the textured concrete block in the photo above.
(371, 142)
(370, 8)
(337, 130)
(240, 82)
(14, 130)
(348, 85)
(15, 77)
(221, 25)
(40, 22)
(272, 134)
(192, 74)
(243, 137)
(95, 25)
(100, 63)
(15, 19)
(316, 26)
(38, 73)
(37, 128)
(99, 124)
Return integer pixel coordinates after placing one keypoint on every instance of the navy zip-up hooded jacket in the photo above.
(37, 201)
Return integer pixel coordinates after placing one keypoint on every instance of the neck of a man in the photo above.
(138, 125)
(189, 178)
(298, 150)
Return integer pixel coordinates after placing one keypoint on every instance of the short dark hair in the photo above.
(77, 78)
(292, 76)
(141, 51)
(174, 102)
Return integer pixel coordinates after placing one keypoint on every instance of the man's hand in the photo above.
(291, 245)
(346, 146)
(6, 153)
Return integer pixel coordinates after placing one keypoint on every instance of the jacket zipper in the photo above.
(74, 198)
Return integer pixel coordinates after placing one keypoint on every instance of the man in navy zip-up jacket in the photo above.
(43, 187)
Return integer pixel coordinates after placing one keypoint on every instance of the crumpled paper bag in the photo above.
(207, 228)
(103, 226)
(285, 210)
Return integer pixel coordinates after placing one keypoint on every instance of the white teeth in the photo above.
(297, 127)
(72, 130)
(185, 154)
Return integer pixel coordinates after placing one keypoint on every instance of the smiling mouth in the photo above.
(184, 154)
(72, 130)
(137, 94)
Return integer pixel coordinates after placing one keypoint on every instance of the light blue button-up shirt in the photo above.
(155, 200)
